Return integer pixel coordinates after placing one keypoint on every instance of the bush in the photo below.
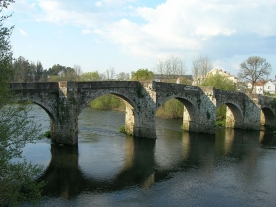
(122, 129)
(47, 134)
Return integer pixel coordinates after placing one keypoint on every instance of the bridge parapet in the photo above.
(28, 86)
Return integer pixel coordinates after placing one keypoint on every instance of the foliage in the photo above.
(90, 76)
(221, 115)
(220, 82)
(108, 102)
(254, 69)
(171, 109)
(64, 73)
(142, 75)
(16, 129)
(122, 129)
(25, 71)
(47, 134)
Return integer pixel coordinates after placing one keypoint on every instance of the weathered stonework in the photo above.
(64, 101)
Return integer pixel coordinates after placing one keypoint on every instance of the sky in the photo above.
(131, 34)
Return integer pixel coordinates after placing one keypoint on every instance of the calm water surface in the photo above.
(230, 168)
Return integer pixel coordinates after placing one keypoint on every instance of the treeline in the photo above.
(24, 70)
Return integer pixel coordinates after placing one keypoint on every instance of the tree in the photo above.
(16, 129)
(90, 76)
(142, 75)
(201, 66)
(220, 82)
(254, 69)
(110, 74)
(123, 76)
(170, 68)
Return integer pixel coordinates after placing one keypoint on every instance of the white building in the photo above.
(269, 87)
(262, 87)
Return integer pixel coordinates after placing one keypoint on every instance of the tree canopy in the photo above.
(254, 69)
(220, 82)
(142, 75)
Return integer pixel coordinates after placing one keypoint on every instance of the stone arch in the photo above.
(190, 112)
(267, 116)
(89, 96)
(44, 106)
(234, 115)
(131, 108)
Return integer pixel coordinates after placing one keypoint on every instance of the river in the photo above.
(107, 168)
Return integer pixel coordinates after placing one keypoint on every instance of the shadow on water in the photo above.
(149, 161)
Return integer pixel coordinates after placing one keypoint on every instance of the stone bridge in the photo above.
(64, 101)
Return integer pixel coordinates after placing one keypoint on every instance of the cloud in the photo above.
(23, 32)
(217, 27)
(98, 4)
(86, 31)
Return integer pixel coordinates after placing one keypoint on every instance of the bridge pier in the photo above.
(64, 129)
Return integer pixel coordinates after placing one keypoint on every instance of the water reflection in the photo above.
(65, 179)
(231, 167)
(144, 158)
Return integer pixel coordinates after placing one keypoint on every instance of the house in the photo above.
(258, 87)
(269, 87)
(262, 87)
(200, 80)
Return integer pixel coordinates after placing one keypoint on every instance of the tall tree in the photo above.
(16, 178)
(201, 66)
(254, 69)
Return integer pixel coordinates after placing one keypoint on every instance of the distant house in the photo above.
(269, 87)
(262, 87)
(258, 87)
(200, 80)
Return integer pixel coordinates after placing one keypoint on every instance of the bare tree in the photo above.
(110, 74)
(254, 69)
(170, 68)
(201, 66)
(77, 69)
(123, 76)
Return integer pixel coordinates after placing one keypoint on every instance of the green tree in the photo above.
(90, 76)
(17, 182)
(142, 75)
(254, 69)
(220, 82)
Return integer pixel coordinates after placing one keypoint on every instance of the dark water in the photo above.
(231, 168)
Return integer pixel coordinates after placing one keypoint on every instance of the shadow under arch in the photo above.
(190, 113)
(130, 110)
(267, 117)
(45, 108)
(234, 116)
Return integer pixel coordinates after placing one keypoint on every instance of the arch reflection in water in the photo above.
(65, 179)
